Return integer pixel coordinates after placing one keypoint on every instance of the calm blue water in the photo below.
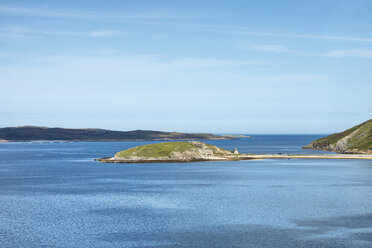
(54, 195)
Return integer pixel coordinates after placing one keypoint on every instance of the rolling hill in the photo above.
(32, 133)
(357, 139)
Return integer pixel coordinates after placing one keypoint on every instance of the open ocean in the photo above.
(55, 195)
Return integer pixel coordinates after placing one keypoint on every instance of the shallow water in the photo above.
(54, 195)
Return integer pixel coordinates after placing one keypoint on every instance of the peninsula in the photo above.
(186, 151)
(194, 151)
(34, 133)
(356, 140)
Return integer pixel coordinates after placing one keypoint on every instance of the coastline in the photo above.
(239, 158)
(106, 140)
(329, 149)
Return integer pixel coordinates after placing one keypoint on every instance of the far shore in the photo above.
(306, 156)
(241, 157)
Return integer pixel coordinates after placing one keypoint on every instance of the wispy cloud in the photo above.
(51, 13)
(166, 15)
(358, 53)
(32, 31)
(161, 75)
(155, 60)
(241, 30)
(325, 37)
(104, 33)
(212, 63)
(273, 48)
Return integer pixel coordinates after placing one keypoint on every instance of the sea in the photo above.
(53, 194)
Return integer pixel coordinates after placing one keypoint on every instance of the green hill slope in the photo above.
(181, 151)
(357, 139)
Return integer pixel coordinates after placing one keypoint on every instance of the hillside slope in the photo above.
(30, 133)
(173, 151)
(357, 139)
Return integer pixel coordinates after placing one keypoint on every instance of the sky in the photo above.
(233, 66)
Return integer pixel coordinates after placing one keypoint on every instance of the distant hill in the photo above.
(186, 151)
(173, 151)
(357, 139)
(32, 133)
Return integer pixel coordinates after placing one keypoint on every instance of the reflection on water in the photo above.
(54, 195)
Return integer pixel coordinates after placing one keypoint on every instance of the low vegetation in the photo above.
(172, 149)
(156, 150)
(354, 140)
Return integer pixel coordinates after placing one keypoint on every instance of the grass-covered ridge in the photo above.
(357, 138)
(163, 149)
(333, 138)
(168, 149)
(362, 139)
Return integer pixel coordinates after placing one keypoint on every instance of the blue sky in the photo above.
(198, 66)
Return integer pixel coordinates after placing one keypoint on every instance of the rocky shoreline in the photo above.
(356, 140)
(196, 151)
(155, 160)
(331, 148)
(235, 158)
